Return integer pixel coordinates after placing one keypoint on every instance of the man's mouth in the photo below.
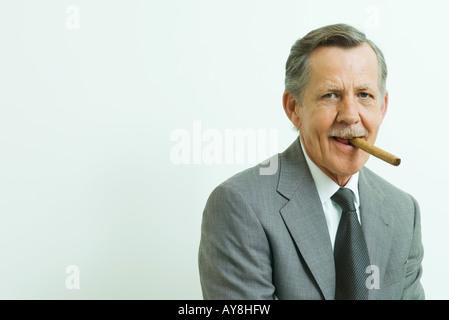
(342, 140)
(345, 140)
(343, 135)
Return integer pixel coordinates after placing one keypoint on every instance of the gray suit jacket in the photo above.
(266, 237)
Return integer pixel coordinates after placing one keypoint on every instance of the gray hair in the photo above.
(297, 69)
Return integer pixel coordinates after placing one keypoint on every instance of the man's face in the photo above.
(341, 101)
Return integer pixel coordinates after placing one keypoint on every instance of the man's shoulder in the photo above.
(249, 189)
(264, 175)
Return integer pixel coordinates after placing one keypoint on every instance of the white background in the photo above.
(86, 116)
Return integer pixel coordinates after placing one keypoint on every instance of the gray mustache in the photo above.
(348, 132)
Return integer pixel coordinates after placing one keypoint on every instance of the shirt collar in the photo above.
(326, 187)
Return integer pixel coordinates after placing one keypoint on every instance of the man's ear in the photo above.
(384, 107)
(291, 108)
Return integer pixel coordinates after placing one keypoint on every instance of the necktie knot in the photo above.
(344, 197)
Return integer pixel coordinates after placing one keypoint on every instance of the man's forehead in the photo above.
(337, 57)
(329, 85)
(334, 66)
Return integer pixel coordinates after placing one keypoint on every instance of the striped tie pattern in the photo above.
(350, 251)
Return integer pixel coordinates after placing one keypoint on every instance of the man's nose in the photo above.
(348, 111)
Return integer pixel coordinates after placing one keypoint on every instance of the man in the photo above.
(322, 226)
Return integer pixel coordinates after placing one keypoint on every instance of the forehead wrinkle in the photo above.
(338, 88)
(330, 85)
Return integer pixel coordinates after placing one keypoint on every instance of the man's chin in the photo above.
(342, 171)
(347, 169)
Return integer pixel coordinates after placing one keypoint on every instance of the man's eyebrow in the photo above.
(338, 89)
(364, 87)
(330, 88)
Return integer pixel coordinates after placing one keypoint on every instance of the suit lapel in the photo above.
(376, 221)
(305, 220)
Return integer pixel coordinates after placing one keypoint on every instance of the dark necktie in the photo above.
(350, 251)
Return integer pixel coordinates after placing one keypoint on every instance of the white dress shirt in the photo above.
(326, 188)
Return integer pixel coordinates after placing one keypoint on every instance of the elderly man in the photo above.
(322, 226)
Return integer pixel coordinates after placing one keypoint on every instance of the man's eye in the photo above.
(329, 95)
(364, 95)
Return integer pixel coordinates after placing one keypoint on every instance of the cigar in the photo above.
(375, 151)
